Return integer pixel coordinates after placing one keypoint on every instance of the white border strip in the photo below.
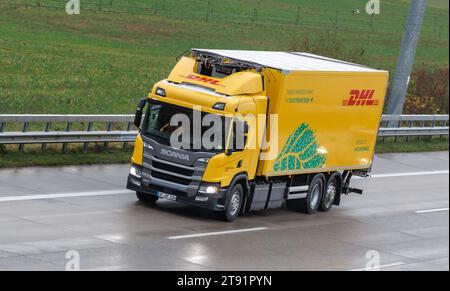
(432, 210)
(215, 233)
(64, 195)
(410, 174)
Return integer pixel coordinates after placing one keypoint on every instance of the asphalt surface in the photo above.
(402, 221)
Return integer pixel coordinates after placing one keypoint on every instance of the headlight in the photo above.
(136, 172)
(209, 189)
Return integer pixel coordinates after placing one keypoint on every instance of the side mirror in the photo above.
(138, 114)
(229, 152)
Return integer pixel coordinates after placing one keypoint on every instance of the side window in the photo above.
(153, 118)
(239, 135)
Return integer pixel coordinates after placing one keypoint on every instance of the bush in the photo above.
(428, 92)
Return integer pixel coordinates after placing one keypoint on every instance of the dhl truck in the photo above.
(316, 127)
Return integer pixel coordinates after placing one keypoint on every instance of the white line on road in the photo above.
(64, 195)
(432, 210)
(380, 267)
(410, 174)
(216, 233)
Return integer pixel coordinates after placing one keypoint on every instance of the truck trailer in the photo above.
(308, 124)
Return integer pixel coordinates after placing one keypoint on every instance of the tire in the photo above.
(330, 193)
(311, 203)
(146, 198)
(234, 204)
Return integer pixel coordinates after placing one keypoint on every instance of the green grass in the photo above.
(33, 158)
(413, 145)
(103, 62)
(75, 156)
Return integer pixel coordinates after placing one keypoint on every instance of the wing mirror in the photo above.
(139, 110)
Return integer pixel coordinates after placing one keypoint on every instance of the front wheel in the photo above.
(233, 205)
(146, 198)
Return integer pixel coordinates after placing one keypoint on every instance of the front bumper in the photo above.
(214, 202)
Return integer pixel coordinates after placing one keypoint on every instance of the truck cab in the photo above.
(191, 172)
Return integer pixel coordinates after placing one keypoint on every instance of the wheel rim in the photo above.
(315, 197)
(331, 194)
(235, 203)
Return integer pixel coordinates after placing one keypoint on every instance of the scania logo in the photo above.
(174, 154)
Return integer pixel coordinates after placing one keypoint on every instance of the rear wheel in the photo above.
(146, 198)
(329, 195)
(234, 204)
(310, 204)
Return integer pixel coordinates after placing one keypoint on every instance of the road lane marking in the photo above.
(432, 210)
(64, 195)
(381, 267)
(216, 233)
(410, 174)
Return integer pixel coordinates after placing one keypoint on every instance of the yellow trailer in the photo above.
(308, 123)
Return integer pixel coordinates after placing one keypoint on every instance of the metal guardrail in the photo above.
(413, 125)
(405, 126)
(68, 135)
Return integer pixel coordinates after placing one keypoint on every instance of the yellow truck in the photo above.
(281, 128)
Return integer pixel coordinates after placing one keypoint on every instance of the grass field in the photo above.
(106, 58)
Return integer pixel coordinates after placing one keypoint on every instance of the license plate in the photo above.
(167, 196)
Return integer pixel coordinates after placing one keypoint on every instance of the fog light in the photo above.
(201, 198)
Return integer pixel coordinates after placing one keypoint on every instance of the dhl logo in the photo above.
(203, 79)
(361, 98)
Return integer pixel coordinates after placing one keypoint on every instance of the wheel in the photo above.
(329, 194)
(310, 204)
(234, 203)
(146, 198)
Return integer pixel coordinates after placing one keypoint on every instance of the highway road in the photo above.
(49, 216)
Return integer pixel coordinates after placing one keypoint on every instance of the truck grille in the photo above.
(171, 175)
(171, 178)
(174, 169)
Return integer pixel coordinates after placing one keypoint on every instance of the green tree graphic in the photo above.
(300, 151)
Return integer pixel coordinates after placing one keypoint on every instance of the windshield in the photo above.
(174, 125)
